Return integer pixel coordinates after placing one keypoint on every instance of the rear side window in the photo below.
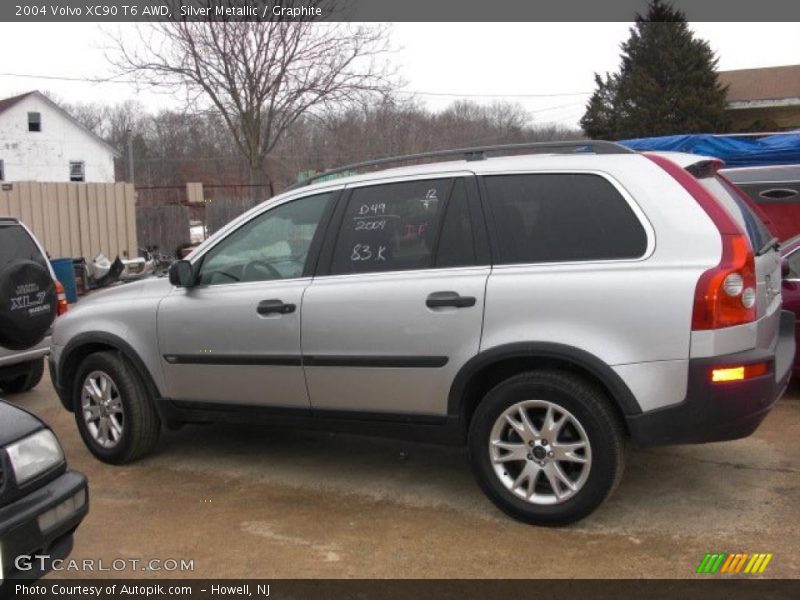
(757, 232)
(16, 244)
(391, 227)
(566, 217)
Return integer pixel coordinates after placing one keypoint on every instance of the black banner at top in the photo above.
(387, 10)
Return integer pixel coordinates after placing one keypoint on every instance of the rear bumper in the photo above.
(13, 357)
(715, 412)
(21, 533)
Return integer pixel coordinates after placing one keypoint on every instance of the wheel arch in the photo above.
(490, 367)
(88, 343)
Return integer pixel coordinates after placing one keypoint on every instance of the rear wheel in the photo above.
(114, 413)
(546, 447)
(25, 381)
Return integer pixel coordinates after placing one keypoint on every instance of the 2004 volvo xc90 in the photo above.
(542, 308)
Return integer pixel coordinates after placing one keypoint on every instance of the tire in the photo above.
(28, 301)
(132, 426)
(26, 381)
(517, 471)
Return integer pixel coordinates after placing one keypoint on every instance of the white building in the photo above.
(39, 141)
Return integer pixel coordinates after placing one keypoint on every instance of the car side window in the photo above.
(562, 217)
(390, 227)
(272, 246)
(456, 246)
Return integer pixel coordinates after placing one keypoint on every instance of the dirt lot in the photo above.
(247, 502)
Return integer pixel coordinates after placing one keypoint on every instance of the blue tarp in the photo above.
(778, 149)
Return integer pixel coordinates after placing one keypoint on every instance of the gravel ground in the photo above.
(254, 502)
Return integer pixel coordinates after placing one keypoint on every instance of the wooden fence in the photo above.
(75, 219)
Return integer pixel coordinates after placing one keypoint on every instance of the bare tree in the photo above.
(261, 76)
(406, 126)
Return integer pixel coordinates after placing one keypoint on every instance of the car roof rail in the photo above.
(479, 153)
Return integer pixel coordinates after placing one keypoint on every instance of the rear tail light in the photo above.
(62, 306)
(726, 294)
(733, 284)
(739, 372)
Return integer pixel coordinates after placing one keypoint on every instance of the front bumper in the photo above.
(22, 535)
(52, 365)
(715, 412)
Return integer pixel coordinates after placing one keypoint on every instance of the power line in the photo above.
(541, 110)
(456, 95)
(64, 78)
(408, 92)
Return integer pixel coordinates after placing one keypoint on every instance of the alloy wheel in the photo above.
(101, 404)
(540, 452)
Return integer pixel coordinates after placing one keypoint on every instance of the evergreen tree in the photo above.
(667, 83)
(599, 122)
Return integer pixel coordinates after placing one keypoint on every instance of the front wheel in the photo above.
(546, 447)
(114, 413)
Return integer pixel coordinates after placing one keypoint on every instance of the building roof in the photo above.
(7, 103)
(769, 83)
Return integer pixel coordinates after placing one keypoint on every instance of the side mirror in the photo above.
(181, 273)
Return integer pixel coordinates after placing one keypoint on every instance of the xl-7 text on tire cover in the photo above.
(544, 309)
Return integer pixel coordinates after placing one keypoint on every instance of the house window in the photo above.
(77, 171)
(34, 121)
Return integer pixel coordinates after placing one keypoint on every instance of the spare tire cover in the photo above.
(28, 302)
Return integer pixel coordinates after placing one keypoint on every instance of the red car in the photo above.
(776, 192)
(790, 252)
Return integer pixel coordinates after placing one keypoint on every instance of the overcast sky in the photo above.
(464, 59)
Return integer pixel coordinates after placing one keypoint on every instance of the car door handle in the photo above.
(454, 299)
(270, 307)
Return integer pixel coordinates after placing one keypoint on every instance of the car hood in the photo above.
(16, 423)
(154, 287)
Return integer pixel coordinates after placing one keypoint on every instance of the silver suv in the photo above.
(543, 308)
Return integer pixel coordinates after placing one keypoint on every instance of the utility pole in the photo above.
(130, 155)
